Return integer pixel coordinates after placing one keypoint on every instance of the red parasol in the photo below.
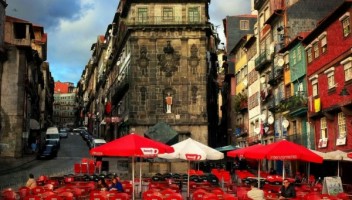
(132, 145)
(242, 153)
(285, 150)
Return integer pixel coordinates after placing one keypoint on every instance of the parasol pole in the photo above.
(338, 168)
(283, 170)
(189, 164)
(140, 177)
(133, 177)
(259, 174)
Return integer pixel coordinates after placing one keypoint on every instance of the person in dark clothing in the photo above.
(272, 171)
(116, 184)
(287, 190)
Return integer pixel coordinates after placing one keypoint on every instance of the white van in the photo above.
(52, 136)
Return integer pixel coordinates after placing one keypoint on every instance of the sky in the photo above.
(74, 25)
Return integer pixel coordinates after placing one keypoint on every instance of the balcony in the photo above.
(276, 76)
(120, 89)
(263, 60)
(163, 20)
(293, 103)
(253, 140)
(265, 94)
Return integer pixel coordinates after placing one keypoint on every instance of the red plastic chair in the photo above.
(46, 194)
(97, 197)
(53, 182)
(32, 197)
(167, 192)
(148, 193)
(66, 195)
(98, 167)
(77, 168)
(210, 196)
(8, 195)
(154, 197)
(84, 168)
(119, 196)
(128, 190)
(37, 190)
(91, 168)
(23, 191)
(53, 197)
(229, 197)
(175, 196)
(198, 194)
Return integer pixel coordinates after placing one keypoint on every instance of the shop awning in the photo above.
(162, 132)
(34, 124)
(226, 148)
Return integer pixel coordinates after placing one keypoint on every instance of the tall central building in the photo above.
(155, 66)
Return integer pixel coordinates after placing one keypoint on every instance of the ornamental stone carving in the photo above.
(143, 61)
(193, 59)
(169, 61)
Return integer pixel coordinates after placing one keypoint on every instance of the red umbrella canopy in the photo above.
(246, 152)
(131, 145)
(285, 150)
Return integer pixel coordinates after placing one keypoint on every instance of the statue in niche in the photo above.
(168, 101)
(193, 59)
(143, 61)
(169, 61)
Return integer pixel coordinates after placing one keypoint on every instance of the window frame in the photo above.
(323, 127)
(193, 15)
(347, 66)
(142, 15)
(316, 50)
(166, 14)
(309, 54)
(341, 124)
(244, 24)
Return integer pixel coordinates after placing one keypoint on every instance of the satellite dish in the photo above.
(285, 123)
(280, 62)
(271, 120)
(263, 117)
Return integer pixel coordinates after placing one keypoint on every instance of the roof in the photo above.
(162, 132)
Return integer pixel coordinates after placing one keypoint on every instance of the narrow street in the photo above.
(72, 150)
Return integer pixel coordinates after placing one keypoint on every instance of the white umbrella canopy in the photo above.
(192, 150)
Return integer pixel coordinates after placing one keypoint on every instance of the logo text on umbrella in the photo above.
(193, 156)
(150, 151)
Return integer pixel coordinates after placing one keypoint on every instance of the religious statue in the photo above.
(168, 100)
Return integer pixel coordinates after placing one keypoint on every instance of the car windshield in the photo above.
(52, 136)
(48, 147)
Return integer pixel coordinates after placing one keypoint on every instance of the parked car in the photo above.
(63, 132)
(79, 129)
(48, 151)
(97, 142)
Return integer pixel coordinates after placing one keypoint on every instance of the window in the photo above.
(323, 128)
(316, 49)
(341, 120)
(193, 15)
(299, 54)
(331, 80)
(324, 45)
(331, 77)
(261, 20)
(309, 55)
(315, 88)
(168, 14)
(294, 58)
(142, 15)
(346, 26)
(347, 66)
(244, 25)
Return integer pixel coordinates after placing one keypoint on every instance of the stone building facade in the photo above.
(160, 67)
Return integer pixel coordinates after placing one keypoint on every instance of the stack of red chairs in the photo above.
(8, 194)
(23, 191)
